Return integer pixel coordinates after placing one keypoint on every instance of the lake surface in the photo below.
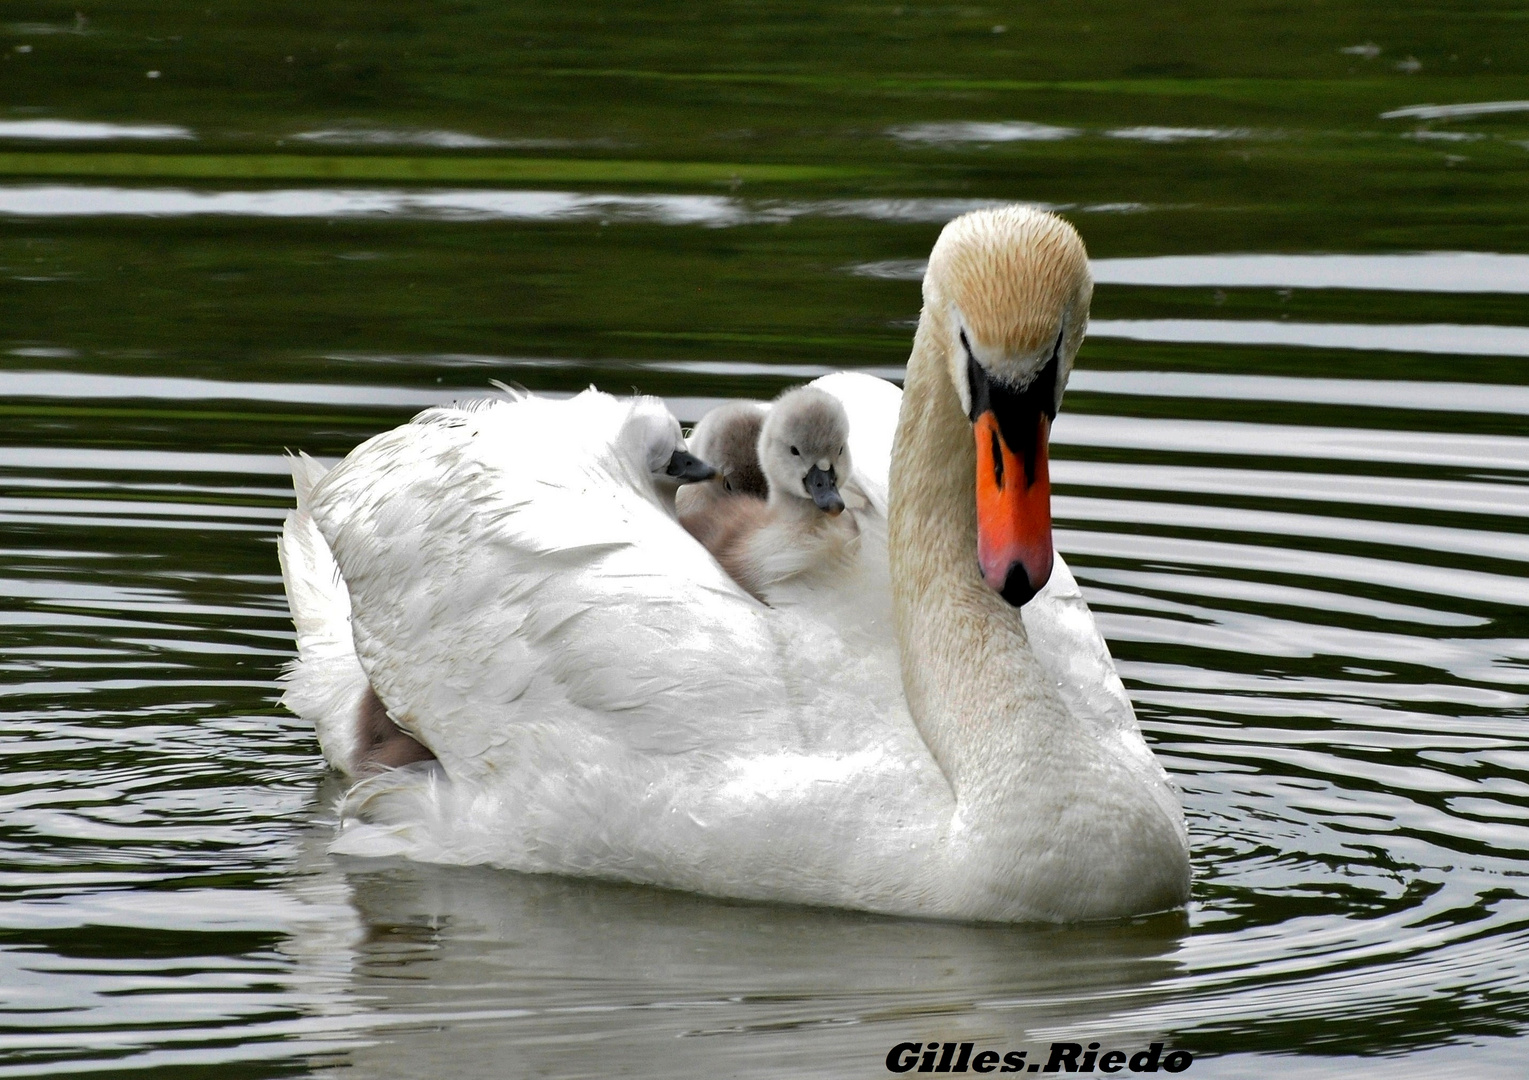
(1291, 474)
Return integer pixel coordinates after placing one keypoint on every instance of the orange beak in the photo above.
(1013, 509)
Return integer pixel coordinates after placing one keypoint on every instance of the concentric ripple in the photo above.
(1321, 625)
(1291, 475)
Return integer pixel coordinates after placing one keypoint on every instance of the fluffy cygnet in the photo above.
(727, 438)
(651, 436)
(803, 453)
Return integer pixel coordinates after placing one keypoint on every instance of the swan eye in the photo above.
(795, 452)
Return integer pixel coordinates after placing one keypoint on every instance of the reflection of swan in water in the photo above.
(606, 703)
(527, 975)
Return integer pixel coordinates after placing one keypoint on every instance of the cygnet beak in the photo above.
(822, 486)
(686, 468)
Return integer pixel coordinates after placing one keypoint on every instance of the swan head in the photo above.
(651, 439)
(1011, 287)
(804, 447)
(728, 437)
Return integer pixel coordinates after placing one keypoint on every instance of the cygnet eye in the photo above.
(796, 452)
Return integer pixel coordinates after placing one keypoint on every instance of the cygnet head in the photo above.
(804, 448)
(728, 437)
(1012, 288)
(652, 440)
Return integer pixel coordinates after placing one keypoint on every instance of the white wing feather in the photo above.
(517, 585)
(325, 685)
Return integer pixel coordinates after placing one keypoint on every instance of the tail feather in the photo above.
(306, 473)
(326, 683)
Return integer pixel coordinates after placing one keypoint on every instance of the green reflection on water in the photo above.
(404, 169)
(1277, 143)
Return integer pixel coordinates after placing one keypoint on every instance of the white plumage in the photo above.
(604, 701)
(327, 683)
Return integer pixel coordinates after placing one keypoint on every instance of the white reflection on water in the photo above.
(1424, 135)
(73, 385)
(891, 269)
(1176, 134)
(1403, 492)
(677, 985)
(1372, 393)
(68, 200)
(718, 211)
(1451, 449)
(1450, 339)
(441, 140)
(1443, 112)
(982, 132)
(1423, 271)
(80, 129)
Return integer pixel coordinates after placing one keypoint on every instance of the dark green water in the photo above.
(1294, 489)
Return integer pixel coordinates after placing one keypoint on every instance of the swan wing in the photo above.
(1066, 640)
(518, 592)
(325, 684)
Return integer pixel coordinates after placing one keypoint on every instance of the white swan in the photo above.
(605, 702)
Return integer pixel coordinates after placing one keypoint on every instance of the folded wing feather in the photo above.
(515, 583)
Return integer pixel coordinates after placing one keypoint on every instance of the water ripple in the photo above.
(1320, 627)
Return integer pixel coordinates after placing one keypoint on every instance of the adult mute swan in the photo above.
(605, 702)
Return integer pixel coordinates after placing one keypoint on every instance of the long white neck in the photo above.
(968, 670)
(982, 701)
(1050, 821)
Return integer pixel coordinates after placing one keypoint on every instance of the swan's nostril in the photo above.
(822, 488)
(1018, 589)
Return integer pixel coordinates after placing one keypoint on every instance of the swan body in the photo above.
(605, 701)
